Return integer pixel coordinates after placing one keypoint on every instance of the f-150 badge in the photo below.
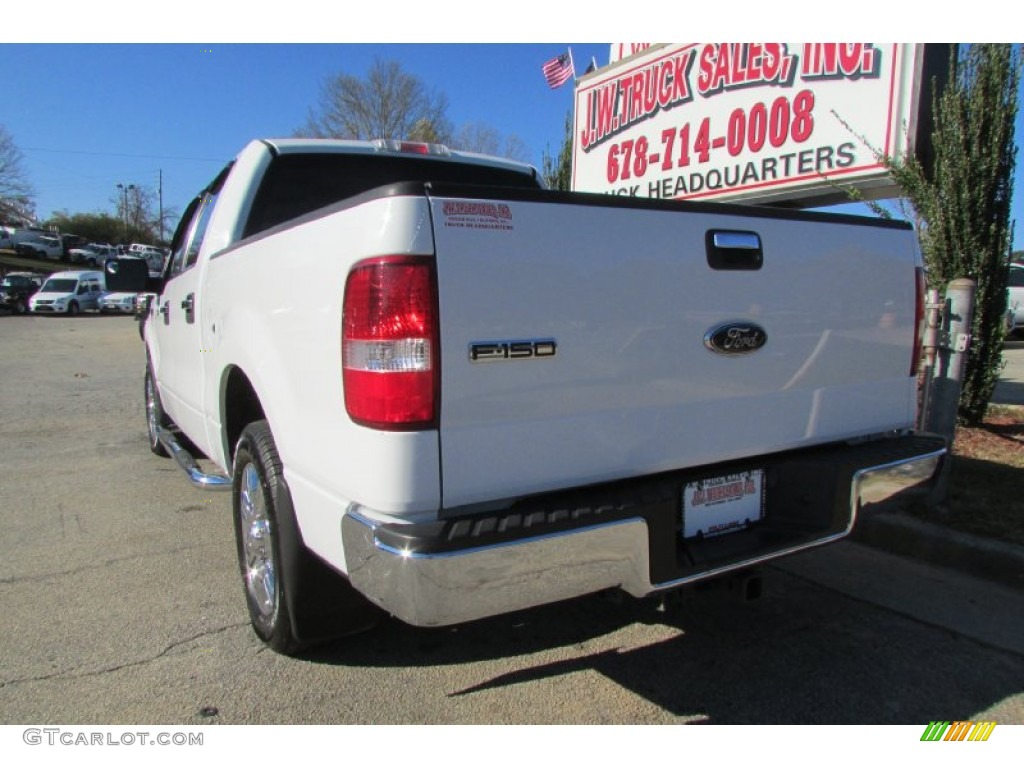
(527, 349)
(735, 338)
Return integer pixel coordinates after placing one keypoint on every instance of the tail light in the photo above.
(390, 343)
(915, 361)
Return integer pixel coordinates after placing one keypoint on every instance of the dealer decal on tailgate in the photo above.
(473, 214)
(723, 504)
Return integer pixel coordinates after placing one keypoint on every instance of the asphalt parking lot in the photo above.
(123, 605)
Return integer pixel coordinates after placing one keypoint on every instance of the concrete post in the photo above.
(944, 389)
(934, 307)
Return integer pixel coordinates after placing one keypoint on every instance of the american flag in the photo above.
(559, 70)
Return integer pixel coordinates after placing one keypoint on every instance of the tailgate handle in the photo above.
(731, 250)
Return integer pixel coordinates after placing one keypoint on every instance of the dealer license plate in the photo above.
(725, 504)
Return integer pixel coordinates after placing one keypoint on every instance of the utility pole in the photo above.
(124, 210)
(160, 188)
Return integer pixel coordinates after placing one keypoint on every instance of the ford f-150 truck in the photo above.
(437, 390)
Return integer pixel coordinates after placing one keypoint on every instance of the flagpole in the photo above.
(572, 64)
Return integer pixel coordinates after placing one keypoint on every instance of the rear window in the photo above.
(297, 184)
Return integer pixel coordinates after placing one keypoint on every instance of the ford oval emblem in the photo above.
(735, 338)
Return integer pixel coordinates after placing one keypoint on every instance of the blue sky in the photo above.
(88, 116)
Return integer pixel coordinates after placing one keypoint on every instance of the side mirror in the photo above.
(126, 275)
(155, 285)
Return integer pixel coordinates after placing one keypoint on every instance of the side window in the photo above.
(183, 236)
(82, 289)
(187, 253)
(196, 241)
(191, 231)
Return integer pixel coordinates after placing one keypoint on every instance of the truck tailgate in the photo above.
(589, 321)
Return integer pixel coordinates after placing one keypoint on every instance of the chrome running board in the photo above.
(198, 478)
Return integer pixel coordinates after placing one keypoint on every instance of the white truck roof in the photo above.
(349, 146)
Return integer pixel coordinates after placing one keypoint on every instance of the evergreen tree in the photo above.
(558, 173)
(963, 201)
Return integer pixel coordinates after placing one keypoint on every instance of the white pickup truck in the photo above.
(439, 391)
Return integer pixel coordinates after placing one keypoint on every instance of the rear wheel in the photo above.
(294, 598)
(256, 486)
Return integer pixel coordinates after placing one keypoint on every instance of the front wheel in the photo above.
(155, 416)
(73, 308)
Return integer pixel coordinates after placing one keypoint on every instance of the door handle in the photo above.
(188, 304)
(165, 310)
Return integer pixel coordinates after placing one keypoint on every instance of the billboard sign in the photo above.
(757, 122)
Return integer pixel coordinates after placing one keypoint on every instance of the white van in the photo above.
(68, 293)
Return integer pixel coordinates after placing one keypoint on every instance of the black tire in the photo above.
(73, 308)
(20, 307)
(155, 416)
(257, 483)
(294, 598)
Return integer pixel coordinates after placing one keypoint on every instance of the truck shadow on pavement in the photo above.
(801, 655)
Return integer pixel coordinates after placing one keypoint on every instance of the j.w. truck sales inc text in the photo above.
(716, 119)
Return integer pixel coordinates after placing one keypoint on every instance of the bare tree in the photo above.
(488, 140)
(388, 103)
(135, 205)
(16, 203)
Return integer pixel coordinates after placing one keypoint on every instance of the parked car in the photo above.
(71, 242)
(68, 293)
(122, 302)
(16, 288)
(1015, 298)
(23, 234)
(93, 254)
(41, 247)
(6, 237)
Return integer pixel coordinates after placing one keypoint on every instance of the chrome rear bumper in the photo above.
(424, 580)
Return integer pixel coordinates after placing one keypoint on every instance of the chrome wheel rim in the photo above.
(257, 543)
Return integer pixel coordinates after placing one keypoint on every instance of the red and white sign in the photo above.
(625, 50)
(757, 122)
